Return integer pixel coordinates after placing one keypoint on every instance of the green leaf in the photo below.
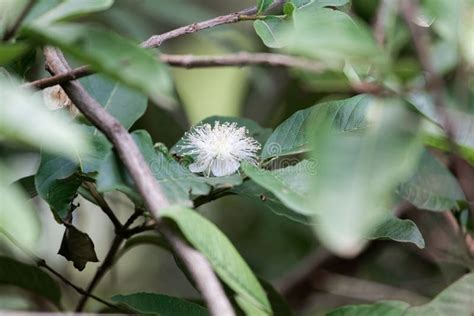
(56, 184)
(176, 181)
(263, 5)
(222, 255)
(271, 31)
(253, 191)
(47, 130)
(432, 187)
(401, 230)
(463, 127)
(70, 9)
(113, 55)
(29, 278)
(454, 300)
(10, 51)
(358, 173)
(90, 161)
(292, 136)
(17, 217)
(160, 304)
(77, 247)
(331, 36)
(291, 185)
(259, 133)
(126, 105)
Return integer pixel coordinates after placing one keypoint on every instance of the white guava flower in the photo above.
(219, 150)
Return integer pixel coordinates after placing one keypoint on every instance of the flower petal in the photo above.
(199, 166)
(224, 167)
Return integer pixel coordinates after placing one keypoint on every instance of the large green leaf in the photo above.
(176, 181)
(69, 9)
(46, 130)
(454, 300)
(291, 185)
(17, 217)
(401, 230)
(271, 31)
(331, 36)
(358, 173)
(29, 278)
(56, 184)
(160, 304)
(432, 187)
(292, 136)
(223, 257)
(113, 55)
(126, 105)
(99, 147)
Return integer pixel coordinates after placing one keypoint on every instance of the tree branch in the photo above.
(104, 206)
(192, 61)
(146, 184)
(243, 15)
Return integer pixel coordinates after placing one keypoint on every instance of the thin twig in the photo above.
(74, 74)
(42, 264)
(104, 206)
(155, 41)
(243, 15)
(154, 199)
(14, 28)
(192, 61)
(242, 59)
(104, 267)
(109, 258)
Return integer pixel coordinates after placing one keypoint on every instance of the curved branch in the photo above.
(146, 184)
